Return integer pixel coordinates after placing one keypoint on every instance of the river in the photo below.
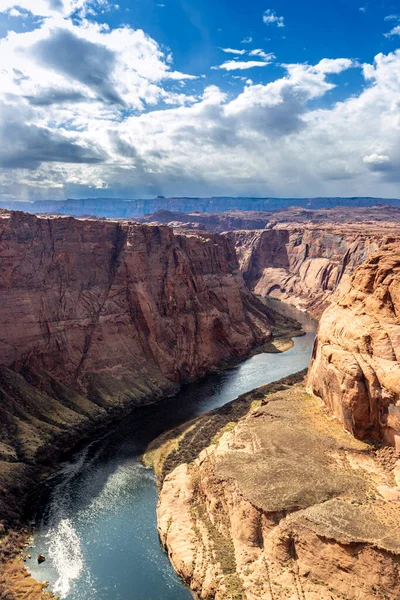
(98, 526)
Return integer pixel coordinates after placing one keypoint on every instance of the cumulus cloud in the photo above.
(88, 63)
(49, 8)
(267, 56)
(26, 145)
(82, 61)
(271, 18)
(376, 159)
(87, 109)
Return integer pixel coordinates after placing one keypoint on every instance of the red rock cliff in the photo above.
(305, 264)
(79, 297)
(355, 366)
(99, 316)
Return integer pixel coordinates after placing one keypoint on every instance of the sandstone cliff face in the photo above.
(305, 264)
(355, 367)
(100, 316)
(283, 505)
(83, 297)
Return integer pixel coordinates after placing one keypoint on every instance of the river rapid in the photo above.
(98, 528)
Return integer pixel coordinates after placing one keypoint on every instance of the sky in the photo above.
(199, 98)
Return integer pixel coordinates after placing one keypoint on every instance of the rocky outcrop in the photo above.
(305, 264)
(355, 366)
(98, 317)
(282, 504)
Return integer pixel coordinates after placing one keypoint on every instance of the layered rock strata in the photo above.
(98, 317)
(355, 366)
(281, 505)
(305, 264)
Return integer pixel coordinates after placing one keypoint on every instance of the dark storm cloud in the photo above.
(81, 60)
(50, 97)
(26, 146)
(277, 121)
(389, 170)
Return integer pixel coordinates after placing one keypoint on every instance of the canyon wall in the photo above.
(97, 317)
(305, 264)
(83, 297)
(355, 366)
(278, 503)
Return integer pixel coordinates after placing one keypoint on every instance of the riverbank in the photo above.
(268, 497)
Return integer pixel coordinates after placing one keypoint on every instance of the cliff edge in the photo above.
(280, 504)
(355, 366)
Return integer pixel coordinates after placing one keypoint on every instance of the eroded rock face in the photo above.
(82, 297)
(355, 367)
(283, 505)
(99, 316)
(305, 264)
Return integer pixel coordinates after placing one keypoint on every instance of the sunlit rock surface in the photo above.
(355, 367)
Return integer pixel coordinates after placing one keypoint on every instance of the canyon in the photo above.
(304, 264)
(299, 256)
(295, 493)
(100, 317)
(292, 491)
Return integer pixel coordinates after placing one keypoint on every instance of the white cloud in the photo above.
(233, 51)
(268, 56)
(120, 66)
(121, 121)
(376, 159)
(363, 9)
(51, 8)
(247, 40)
(394, 31)
(14, 12)
(271, 18)
(236, 65)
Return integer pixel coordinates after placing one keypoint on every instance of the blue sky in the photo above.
(195, 97)
(196, 29)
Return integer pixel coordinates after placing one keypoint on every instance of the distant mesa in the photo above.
(119, 208)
